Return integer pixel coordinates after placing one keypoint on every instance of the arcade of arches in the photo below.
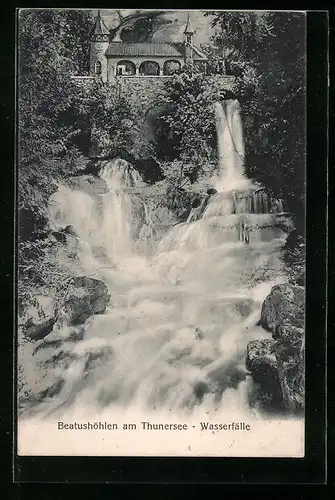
(147, 68)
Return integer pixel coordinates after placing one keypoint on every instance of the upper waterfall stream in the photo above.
(175, 332)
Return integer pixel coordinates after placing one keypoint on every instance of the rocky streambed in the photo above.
(276, 364)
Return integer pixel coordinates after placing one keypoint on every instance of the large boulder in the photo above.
(261, 355)
(61, 236)
(291, 373)
(87, 296)
(293, 240)
(283, 309)
(40, 330)
(261, 361)
(138, 215)
(283, 313)
(58, 236)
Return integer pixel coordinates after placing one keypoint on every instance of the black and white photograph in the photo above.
(161, 184)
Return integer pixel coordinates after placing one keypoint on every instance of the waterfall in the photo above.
(182, 315)
(103, 222)
(230, 140)
(120, 174)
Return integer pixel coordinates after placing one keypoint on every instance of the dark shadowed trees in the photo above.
(52, 46)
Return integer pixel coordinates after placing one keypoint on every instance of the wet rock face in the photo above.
(282, 309)
(138, 212)
(59, 236)
(293, 240)
(39, 318)
(262, 363)
(39, 331)
(88, 296)
(90, 184)
(261, 353)
(283, 315)
(62, 234)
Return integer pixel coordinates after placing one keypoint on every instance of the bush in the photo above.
(44, 268)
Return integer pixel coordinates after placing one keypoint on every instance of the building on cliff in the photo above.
(141, 68)
(110, 57)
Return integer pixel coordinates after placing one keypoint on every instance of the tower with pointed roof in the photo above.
(189, 38)
(99, 43)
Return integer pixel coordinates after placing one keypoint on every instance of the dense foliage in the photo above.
(189, 119)
(51, 47)
(274, 101)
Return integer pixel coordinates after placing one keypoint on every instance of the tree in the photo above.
(189, 124)
(237, 38)
(52, 46)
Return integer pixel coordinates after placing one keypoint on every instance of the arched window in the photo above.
(149, 68)
(125, 68)
(171, 67)
(97, 68)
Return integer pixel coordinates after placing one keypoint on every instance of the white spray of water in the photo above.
(230, 146)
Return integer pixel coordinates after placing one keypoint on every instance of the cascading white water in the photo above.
(102, 222)
(231, 151)
(174, 337)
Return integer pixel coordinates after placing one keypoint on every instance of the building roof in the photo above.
(157, 49)
(147, 49)
(99, 27)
